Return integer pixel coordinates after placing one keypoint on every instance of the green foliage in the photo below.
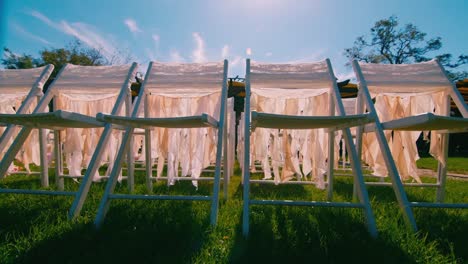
(35, 229)
(75, 53)
(455, 165)
(394, 44)
(12, 60)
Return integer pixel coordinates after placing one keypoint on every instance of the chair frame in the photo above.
(311, 122)
(171, 122)
(49, 120)
(35, 93)
(413, 123)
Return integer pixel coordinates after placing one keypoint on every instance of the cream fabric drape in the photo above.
(402, 143)
(79, 143)
(190, 149)
(289, 89)
(287, 150)
(400, 91)
(186, 89)
(89, 90)
(15, 85)
(29, 152)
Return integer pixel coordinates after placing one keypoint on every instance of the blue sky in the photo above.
(208, 30)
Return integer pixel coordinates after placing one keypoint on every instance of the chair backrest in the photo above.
(91, 83)
(350, 105)
(181, 78)
(303, 82)
(185, 88)
(22, 86)
(405, 78)
(410, 80)
(290, 76)
(94, 79)
(23, 80)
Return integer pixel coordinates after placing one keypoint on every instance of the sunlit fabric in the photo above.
(15, 85)
(176, 90)
(401, 91)
(88, 90)
(290, 89)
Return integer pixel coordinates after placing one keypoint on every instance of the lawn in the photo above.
(35, 229)
(455, 164)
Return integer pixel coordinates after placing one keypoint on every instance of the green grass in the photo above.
(35, 229)
(455, 164)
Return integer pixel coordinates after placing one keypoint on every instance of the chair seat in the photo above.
(203, 120)
(428, 122)
(267, 120)
(52, 120)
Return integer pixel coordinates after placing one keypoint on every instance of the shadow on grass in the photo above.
(449, 227)
(19, 212)
(323, 235)
(305, 234)
(35, 230)
(293, 234)
(21, 182)
(133, 232)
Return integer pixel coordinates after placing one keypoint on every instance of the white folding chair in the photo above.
(78, 93)
(301, 97)
(350, 109)
(20, 89)
(184, 116)
(409, 99)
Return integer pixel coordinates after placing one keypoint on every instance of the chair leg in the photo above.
(246, 184)
(113, 177)
(360, 184)
(217, 179)
(442, 170)
(397, 185)
(331, 161)
(59, 181)
(215, 197)
(82, 193)
(43, 158)
(10, 155)
(130, 168)
(6, 136)
(148, 161)
(225, 183)
(226, 165)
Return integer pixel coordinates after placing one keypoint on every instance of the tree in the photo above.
(392, 44)
(12, 60)
(75, 52)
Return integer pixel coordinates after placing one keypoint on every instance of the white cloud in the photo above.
(90, 37)
(155, 38)
(44, 19)
(268, 54)
(345, 76)
(83, 32)
(248, 51)
(198, 54)
(20, 30)
(132, 25)
(236, 61)
(237, 66)
(225, 52)
(176, 57)
(316, 56)
(150, 54)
